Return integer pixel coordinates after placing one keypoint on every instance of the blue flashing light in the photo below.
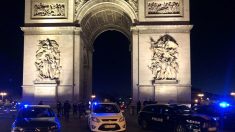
(95, 103)
(26, 106)
(224, 104)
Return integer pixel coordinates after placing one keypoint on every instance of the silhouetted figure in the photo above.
(138, 106)
(59, 108)
(75, 109)
(40, 103)
(81, 110)
(67, 107)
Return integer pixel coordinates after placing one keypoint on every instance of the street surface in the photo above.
(74, 124)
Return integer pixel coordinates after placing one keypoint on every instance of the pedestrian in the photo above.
(138, 106)
(59, 108)
(75, 109)
(81, 109)
(67, 107)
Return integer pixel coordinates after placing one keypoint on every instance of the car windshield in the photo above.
(182, 109)
(105, 108)
(32, 112)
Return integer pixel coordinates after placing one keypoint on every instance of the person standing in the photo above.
(138, 106)
(59, 107)
(67, 107)
(75, 109)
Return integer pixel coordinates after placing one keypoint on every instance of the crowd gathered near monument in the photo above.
(63, 109)
(79, 109)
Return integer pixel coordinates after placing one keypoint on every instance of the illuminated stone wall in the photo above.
(160, 43)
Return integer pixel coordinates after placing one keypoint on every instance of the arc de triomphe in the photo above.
(58, 47)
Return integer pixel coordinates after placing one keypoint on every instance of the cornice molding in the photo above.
(162, 29)
(51, 30)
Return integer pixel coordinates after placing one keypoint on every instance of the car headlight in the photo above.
(95, 119)
(122, 119)
(17, 129)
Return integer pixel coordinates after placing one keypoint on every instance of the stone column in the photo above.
(135, 63)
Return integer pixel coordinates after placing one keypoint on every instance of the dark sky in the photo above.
(212, 49)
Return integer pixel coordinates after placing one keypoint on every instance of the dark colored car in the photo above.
(225, 116)
(35, 118)
(174, 118)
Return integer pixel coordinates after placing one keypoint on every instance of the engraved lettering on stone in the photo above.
(48, 60)
(163, 8)
(164, 62)
(48, 9)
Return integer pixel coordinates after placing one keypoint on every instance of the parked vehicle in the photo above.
(225, 116)
(174, 118)
(106, 117)
(35, 118)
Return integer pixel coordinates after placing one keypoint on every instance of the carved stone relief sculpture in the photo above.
(46, 9)
(164, 62)
(48, 60)
(78, 5)
(134, 4)
(163, 8)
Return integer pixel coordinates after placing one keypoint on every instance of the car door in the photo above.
(168, 116)
(156, 116)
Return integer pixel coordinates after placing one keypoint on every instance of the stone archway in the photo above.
(96, 17)
(58, 47)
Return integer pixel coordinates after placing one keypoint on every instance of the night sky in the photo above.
(212, 50)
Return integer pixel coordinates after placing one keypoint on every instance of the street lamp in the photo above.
(3, 94)
(93, 96)
(200, 95)
(232, 94)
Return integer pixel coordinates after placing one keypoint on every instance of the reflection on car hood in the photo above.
(35, 122)
(106, 114)
(203, 116)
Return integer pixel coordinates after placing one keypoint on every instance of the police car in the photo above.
(223, 113)
(36, 118)
(106, 117)
(174, 118)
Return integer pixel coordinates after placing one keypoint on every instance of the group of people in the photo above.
(78, 109)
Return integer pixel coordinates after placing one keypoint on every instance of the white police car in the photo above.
(106, 117)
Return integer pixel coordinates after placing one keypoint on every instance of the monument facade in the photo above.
(58, 47)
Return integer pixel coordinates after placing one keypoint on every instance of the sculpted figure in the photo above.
(164, 60)
(48, 59)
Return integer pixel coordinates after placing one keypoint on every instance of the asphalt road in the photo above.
(74, 124)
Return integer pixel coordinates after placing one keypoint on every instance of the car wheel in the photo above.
(180, 128)
(144, 124)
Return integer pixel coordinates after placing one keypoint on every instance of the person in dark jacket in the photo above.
(67, 107)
